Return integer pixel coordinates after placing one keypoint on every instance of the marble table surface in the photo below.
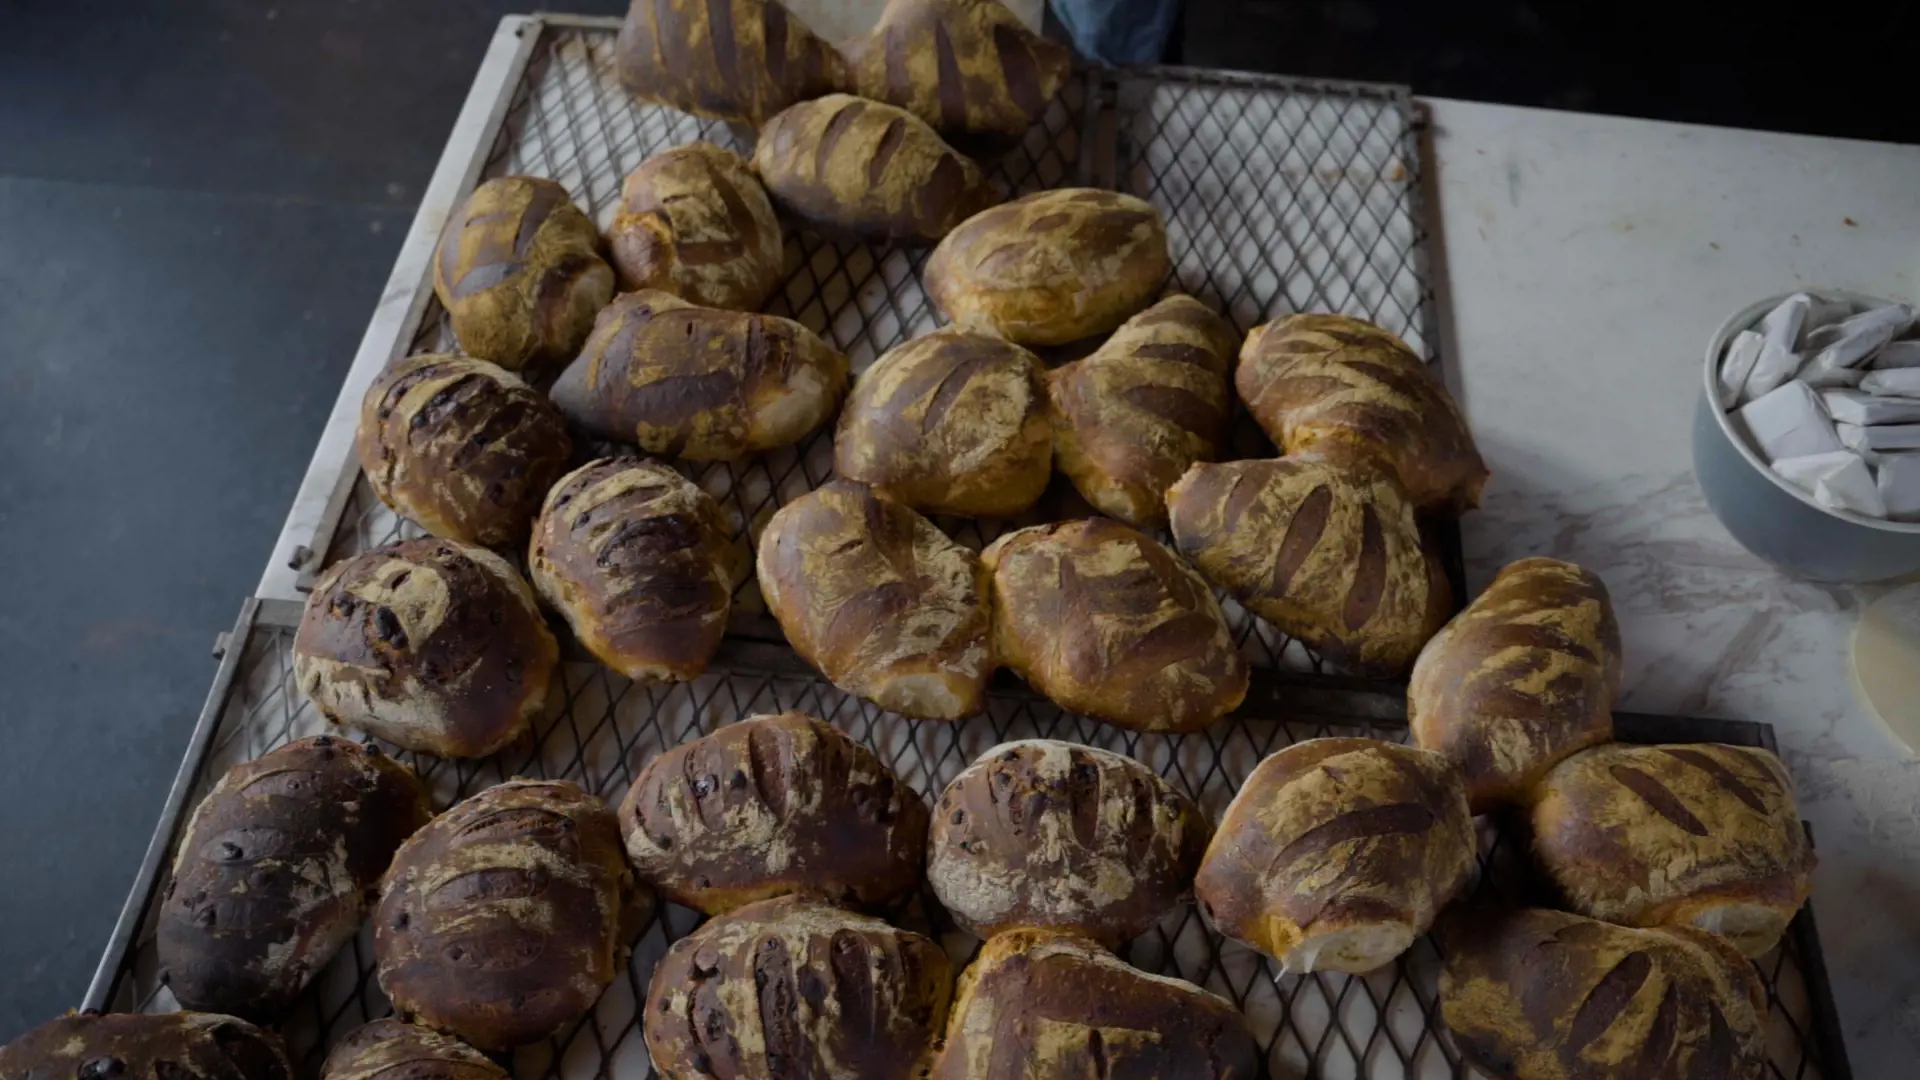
(1584, 263)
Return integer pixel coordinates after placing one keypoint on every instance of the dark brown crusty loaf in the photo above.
(392, 1050)
(858, 169)
(278, 864)
(431, 645)
(694, 221)
(1129, 419)
(637, 559)
(1050, 267)
(1042, 833)
(950, 423)
(880, 601)
(461, 447)
(520, 274)
(1349, 390)
(1545, 995)
(734, 60)
(794, 988)
(1337, 853)
(1107, 623)
(697, 382)
(970, 68)
(1699, 834)
(145, 1046)
(1523, 677)
(500, 920)
(1047, 1005)
(769, 806)
(1328, 554)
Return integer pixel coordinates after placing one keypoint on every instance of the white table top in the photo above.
(1585, 261)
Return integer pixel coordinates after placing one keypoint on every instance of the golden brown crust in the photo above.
(1349, 390)
(1545, 995)
(1129, 419)
(769, 806)
(431, 645)
(1041, 833)
(950, 423)
(697, 382)
(390, 1049)
(1107, 623)
(734, 60)
(1328, 554)
(499, 921)
(520, 274)
(694, 221)
(1523, 677)
(277, 866)
(637, 559)
(795, 988)
(146, 1046)
(1050, 267)
(1696, 834)
(854, 168)
(880, 601)
(461, 447)
(1337, 853)
(1045, 1005)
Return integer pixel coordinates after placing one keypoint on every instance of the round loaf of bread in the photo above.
(1109, 624)
(769, 806)
(145, 1046)
(1041, 833)
(431, 645)
(1338, 853)
(461, 447)
(391, 1049)
(791, 987)
(735, 60)
(694, 221)
(637, 559)
(277, 867)
(500, 920)
(1050, 267)
(520, 274)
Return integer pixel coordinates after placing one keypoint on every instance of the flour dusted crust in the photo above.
(694, 221)
(734, 60)
(390, 1049)
(146, 1046)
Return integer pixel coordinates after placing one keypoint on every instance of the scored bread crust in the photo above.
(146, 1046)
(392, 1048)
(735, 60)
(694, 221)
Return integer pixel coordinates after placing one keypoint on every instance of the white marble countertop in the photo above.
(1585, 262)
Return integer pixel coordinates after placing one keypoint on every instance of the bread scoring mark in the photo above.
(899, 80)
(1370, 574)
(773, 37)
(1657, 795)
(883, 151)
(830, 136)
(1606, 1001)
(1393, 819)
(1304, 529)
(1019, 69)
(720, 32)
(1657, 1046)
(1721, 774)
(949, 83)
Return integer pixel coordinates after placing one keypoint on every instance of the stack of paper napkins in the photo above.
(1830, 397)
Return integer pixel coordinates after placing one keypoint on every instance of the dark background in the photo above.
(200, 202)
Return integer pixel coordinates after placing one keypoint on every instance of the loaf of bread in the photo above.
(1350, 391)
(1041, 833)
(1698, 835)
(950, 423)
(1544, 995)
(520, 274)
(1047, 1005)
(1328, 554)
(1109, 624)
(697, 382)
(1129, 419)
(970, 68)
(637, 559)
(461, 447)
(857, 169)
(880, 601)
(391, 1050)
(500, 920)
(769, 806)
(794, 988)
(277, 867)
(1051, 267)
(735, 60)
(694, 221)
(1337, 853)
(145, 1046)
(1523, 677)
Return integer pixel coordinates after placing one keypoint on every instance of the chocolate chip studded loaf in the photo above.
(734, 60)
(694, 221)
(145, 1046)
(392, 1049)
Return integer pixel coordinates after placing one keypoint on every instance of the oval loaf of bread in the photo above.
(145, 1046)
(390, 1049)
(694, 221)
(1338, 853)
(1698, 834)
(1523, 677)
(735, 60)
